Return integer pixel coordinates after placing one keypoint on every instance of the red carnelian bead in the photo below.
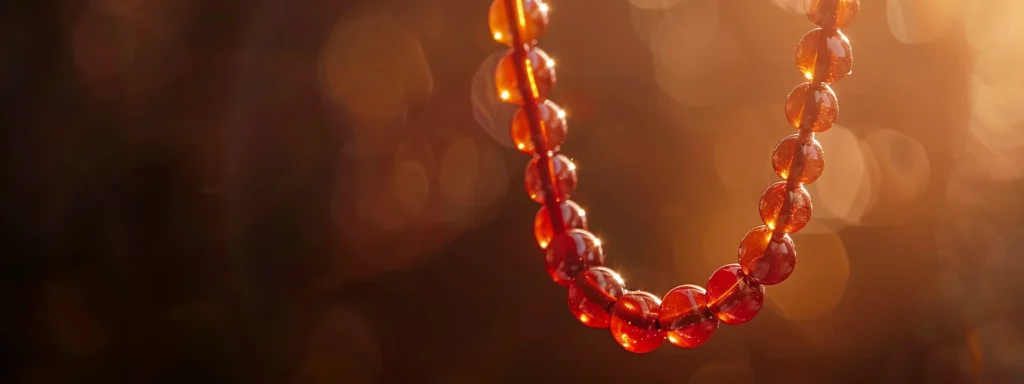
(592, 294)
(540, 76)
(831, 46)
(733, 298)
(685, 317)
(813, 154)
(552, 129)
(531, 22)
(817, 101)
(798, 211)
(572, 252)
(560, 168)
(766, 257)
(833, 13)
(634, 322)
(571, 214)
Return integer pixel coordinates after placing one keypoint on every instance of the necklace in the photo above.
(688, 315)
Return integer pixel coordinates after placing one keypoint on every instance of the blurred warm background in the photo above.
(324, 191)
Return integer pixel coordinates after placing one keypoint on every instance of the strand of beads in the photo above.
(688, 315)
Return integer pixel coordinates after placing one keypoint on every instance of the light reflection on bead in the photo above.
(765, 257)
(813, 154)
(531, 24)
(774, 200)
(572, 252)
(823, 104)
(552, 127)
(562, 170)
(845, 12)
(571, 214)
(634, 322)
(731, 297)
(541, 73)
(685, 317)
(832, 46)
(592, 293)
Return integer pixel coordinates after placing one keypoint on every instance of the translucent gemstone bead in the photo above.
(814, 159)
(592, 293)
(571, 214)
(572, 252)
(540, 76)
(767, 258)
(829, 48)
(560, 168)
(685, 318)
(796, 215)
(824, 106)
(634, 322)
(553, 129)
(833, 13)
(733, 298)
(531, 21)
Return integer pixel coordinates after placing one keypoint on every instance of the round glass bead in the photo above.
(817, 101)
(788, 149)
(829, 48)
(685, 318)
(570, 253)
(540, 76)
(531, 21)
(571, 215)
(553, 129)
(592, 293)
(796, 202)
(733, 298)
(561, 169)
(634, 322)
(833, 13)
(766, 257)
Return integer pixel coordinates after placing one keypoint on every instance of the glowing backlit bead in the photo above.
(732, 297)
(553, 129)
(572, 252)
(572, 217)
(766, 258)
(531, 21)
(592, 293)
(797, 213)
(560, 168)
(817, 101)
(813, 155)
(540, 76)
(833, 13)
(634, 322)
(829, 48)
(685, 318)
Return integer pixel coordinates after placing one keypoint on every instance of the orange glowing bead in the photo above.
(531, 21)
(572, 252)
(797, 203)
(731, 297)
(592, 293)
(540, 76)
(571, 215)
(561, 169)
(685, 317)
(833, 13)
(634, 322)
(830, 49)
(812, 153)
(813, 101)
(767, 258)
(553, 129)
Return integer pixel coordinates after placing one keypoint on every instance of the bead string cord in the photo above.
(688, 315)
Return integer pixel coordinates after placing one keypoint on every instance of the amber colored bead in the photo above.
(572, 252)
(560, 168)
(553, 129)
(532, 21)
(571, 214)
(634, 322)
(831, 46)
(540, 73)
(833, 13)
(592, 293)
(685, 318)
(767, 258)
(732, 297)
(812, 153)
(798, 211)
(824, 106)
